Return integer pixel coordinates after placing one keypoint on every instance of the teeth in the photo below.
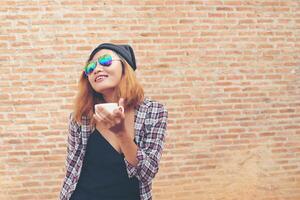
(100, 77)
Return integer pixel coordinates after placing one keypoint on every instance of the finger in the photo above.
(98, 119)
(119, 117)
(121, 108)
(100, 109)
(115, 116)
(106, 115)
(106, 120)
(111, 119)
(122, 103)
(119, 114)
(98, 113)
(101, 118)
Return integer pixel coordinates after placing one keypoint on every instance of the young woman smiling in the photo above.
(113, 155)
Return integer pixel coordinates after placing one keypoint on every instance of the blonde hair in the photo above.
(129, 89)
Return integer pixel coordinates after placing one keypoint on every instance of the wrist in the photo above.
(124, 137)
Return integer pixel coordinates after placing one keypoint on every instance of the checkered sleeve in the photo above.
(73, 127)
(150, 148)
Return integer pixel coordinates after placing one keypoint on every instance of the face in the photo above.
(108, 72)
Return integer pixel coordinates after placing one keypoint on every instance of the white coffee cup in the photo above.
(110, 107)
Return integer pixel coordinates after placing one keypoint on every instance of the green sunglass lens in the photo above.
(90, 68)
(105, 60)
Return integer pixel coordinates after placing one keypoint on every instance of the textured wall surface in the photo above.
(228, 71)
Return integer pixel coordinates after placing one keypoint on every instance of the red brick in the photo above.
(226, 70)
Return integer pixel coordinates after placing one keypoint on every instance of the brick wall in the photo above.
(228, 71)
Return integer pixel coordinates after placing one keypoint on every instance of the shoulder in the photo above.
(72, 121)
(73, 124)
(153, 108)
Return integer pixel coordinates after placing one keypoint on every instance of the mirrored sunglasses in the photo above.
(105, 61)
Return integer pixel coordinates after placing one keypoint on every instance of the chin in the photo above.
(103, 89)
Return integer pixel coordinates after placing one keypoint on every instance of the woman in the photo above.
(113, 156)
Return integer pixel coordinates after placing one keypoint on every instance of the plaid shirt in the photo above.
(150, 126)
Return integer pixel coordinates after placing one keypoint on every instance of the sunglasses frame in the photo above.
(98, 61)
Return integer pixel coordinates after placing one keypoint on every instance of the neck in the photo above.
(109, 96)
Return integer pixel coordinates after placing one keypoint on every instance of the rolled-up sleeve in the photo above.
(151, 145)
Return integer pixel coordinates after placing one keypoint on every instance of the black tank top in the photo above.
(103, 175)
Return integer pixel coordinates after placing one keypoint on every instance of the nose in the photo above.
(98, 68)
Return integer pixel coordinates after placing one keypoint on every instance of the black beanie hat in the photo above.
(123, 50)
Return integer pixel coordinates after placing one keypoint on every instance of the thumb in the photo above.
(121, 102)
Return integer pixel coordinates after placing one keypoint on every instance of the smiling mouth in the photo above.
(100, 78)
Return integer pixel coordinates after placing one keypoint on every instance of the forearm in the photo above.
(129, 149)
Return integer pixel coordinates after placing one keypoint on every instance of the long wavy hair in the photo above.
(129, 89)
